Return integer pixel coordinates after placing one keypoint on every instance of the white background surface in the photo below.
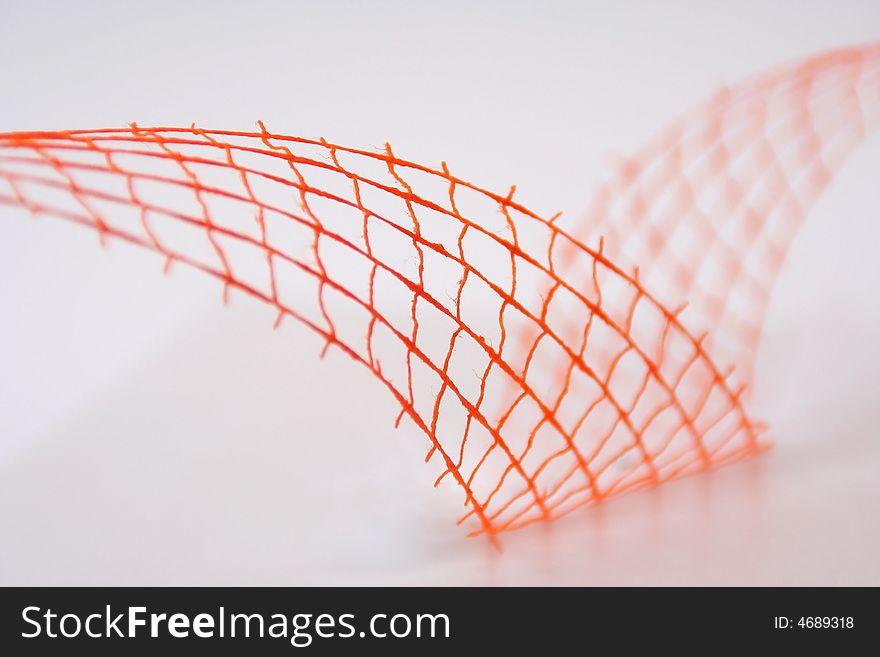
(150, 436)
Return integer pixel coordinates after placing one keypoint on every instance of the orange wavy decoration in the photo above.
(546, 373)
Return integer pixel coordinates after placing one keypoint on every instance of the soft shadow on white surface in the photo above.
(212, 464)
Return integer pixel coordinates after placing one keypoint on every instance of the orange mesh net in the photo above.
(546, 373)
(709, 209)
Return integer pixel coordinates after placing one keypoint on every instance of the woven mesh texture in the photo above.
(547, 374)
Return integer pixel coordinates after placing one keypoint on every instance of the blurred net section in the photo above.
(709, 209)
(544, 374)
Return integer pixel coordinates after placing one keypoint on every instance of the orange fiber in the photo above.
(549, 367)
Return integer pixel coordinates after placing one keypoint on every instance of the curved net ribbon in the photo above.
(549, 368)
